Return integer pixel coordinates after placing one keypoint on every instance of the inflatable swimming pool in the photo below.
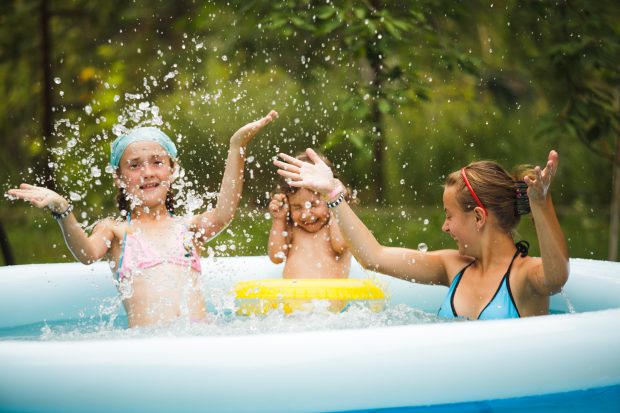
(405, 366)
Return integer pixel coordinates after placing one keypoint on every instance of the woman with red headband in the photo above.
(489, 276)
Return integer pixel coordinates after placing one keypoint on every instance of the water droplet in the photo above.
(422, 247)
(402, 182)
(74, 196)
(225, 58)
(426, 221)
(88, 109)
(57, 80)
(307, 204)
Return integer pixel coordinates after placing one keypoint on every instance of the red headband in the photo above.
(471, 191)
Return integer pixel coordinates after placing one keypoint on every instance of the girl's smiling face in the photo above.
(460, 225)
(146, 172)
(307, 210)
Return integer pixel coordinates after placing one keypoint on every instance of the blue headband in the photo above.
(147, 133)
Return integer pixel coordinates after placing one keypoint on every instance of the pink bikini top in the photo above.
(138, 254)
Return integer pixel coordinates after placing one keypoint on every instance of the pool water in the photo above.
(107, 326)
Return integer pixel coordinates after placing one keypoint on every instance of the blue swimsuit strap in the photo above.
(458, 280)
(522, 249)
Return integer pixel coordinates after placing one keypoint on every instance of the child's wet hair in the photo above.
(502, 193)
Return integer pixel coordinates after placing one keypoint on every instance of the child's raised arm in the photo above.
(214, 221)
(549, 276)
(279, 235)
(84, 248)
(427, 268)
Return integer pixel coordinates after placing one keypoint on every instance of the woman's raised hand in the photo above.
(538, 188)
(245, 134)
(40, 197)
(316, 176)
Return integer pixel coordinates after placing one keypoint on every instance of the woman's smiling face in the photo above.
(460, 225)
(146, 171)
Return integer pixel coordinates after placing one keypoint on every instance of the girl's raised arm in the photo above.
(550, 276)
(423, 267)
(212, 222)
(84, 248)
(280, 234)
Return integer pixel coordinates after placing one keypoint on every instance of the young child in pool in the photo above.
(490, 277)
(305, 235)
(153, 253)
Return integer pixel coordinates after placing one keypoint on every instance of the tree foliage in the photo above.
(398, 94)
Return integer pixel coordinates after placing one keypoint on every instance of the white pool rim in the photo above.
(413, 365)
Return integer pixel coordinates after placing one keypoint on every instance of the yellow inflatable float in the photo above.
(290, 295)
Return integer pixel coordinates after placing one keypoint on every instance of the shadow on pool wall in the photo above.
(395, 367)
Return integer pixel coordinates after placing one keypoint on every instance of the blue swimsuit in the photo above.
(501, 306)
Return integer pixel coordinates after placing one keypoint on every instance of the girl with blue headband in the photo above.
(153, 253)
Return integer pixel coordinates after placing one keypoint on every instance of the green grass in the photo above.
(36, 238)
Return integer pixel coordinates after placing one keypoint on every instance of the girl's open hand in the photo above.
(245, 134)
(315, 176)
(278, 207)
(538, 188)
(40, 197)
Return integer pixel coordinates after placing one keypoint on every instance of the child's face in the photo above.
(146, 171)
(460, 225)
(307, 210)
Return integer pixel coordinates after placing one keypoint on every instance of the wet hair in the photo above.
(124, 204)
(501, 193)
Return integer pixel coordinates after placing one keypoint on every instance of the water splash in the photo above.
(225, 323)
(569, 304)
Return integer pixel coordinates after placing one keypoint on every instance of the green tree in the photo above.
(361, 37)
(574, 47)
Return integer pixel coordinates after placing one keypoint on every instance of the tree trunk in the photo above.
(42, 161)
(374, 56)
(614, 224)
(6, 247)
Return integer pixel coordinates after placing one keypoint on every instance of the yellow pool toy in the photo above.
(289, 295)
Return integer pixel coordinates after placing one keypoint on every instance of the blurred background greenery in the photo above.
(396, 94)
